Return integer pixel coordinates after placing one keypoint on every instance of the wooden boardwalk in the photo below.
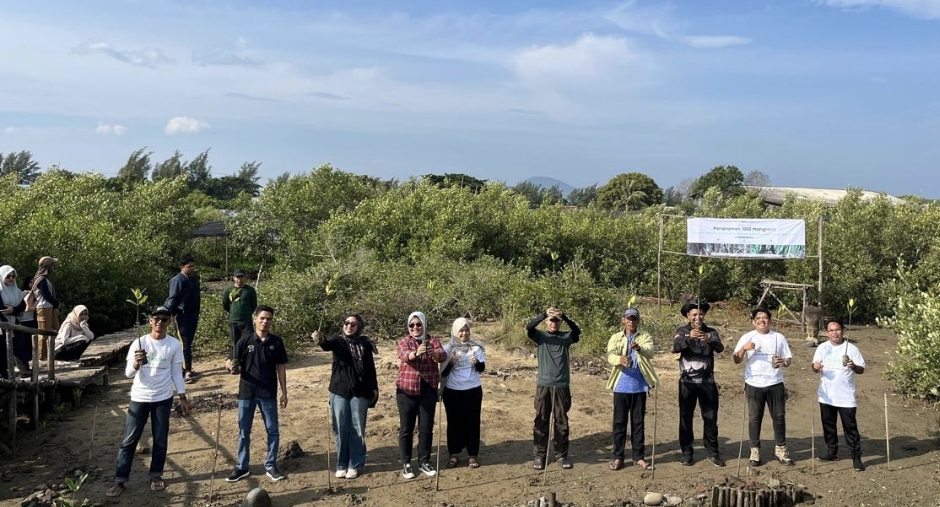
(91, 368)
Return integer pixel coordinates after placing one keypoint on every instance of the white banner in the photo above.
(744, 238)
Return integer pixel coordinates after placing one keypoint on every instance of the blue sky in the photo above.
(815, 93)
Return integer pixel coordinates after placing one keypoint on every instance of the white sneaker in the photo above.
(340, 474)
(755, 457)
(782, 455)
(352, 473)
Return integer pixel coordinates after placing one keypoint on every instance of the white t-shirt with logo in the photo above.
(156, 380)
(463, 375)
(758, 367)
(837, 382)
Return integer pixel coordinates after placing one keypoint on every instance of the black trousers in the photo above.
(237, 330)
(828, 414)
(412, 408)
(775, 398)
(632, 406)
(463, 420)
(551, 402)
(706, 396)
(73, 351)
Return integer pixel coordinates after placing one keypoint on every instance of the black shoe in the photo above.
(857, 465)
(716, 460)
(407, 472)
(274, 473)
(566, 463)
(686, 460)
(538, 463)
(236, 475)
(427, 469)
(828, 457)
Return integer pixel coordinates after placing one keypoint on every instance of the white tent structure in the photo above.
(777, 195)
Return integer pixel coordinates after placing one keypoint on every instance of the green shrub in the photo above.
(916, 370)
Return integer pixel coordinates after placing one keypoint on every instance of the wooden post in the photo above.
(50, 355)
(35, 379)
(659, 262)
(820, 255)
(8, 337)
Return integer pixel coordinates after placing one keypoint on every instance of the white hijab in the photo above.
(455, 343)
(424, 325)
(11, 295)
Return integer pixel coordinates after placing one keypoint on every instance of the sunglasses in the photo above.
(415, 324)
(632, 317)
(554, 320)
(161, 319)
(350, 323)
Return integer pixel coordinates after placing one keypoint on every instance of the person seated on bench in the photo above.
(74, 335)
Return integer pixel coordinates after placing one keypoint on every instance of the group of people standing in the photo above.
(36, 305)
(160, 365)
(431, 371)
(629, 352)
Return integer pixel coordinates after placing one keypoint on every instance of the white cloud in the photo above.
(714, 41)
(9, 130)
(185, 125)
(927, 9)
(660, 21)
(217, 56)
(589, 57)
(146, 57)
(104, 128)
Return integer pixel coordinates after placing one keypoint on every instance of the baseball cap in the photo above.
(631, 312)
(238, 272)
(161, 310)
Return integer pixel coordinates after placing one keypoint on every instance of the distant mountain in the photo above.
(547, 182)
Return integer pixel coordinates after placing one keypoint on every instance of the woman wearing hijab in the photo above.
(416, 393)
(354, 388)
(463, 393)
(47, 304)
(11, 305)
(74, 335)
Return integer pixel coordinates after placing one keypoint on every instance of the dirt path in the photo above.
(506, 477)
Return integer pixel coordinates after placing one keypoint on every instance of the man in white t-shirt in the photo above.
(155, 362)
(838, 362)
(765, 353)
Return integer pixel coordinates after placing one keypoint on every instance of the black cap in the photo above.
(238, 272)
(161, 310)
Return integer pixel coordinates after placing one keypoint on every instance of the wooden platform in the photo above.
(93, 365)
(107, 348)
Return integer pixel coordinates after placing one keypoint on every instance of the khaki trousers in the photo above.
(46, 318)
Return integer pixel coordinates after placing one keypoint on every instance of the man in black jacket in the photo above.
(185, 301)
(697, 343)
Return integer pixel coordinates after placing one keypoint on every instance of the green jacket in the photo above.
(240, 303)
(616, 347)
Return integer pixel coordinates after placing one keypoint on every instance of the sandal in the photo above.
(452, 461)
(616, 464)
(157, 484)
(115, 490)
(473, 463)
(642, 464)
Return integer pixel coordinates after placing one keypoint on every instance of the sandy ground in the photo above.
(506, 477)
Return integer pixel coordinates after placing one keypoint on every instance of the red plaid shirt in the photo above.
(411, 373)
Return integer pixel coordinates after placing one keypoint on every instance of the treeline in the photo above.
(329, 241)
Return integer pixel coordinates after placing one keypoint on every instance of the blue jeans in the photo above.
(137, 414)
(187, 328)
(349, 428)
(246, 415)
